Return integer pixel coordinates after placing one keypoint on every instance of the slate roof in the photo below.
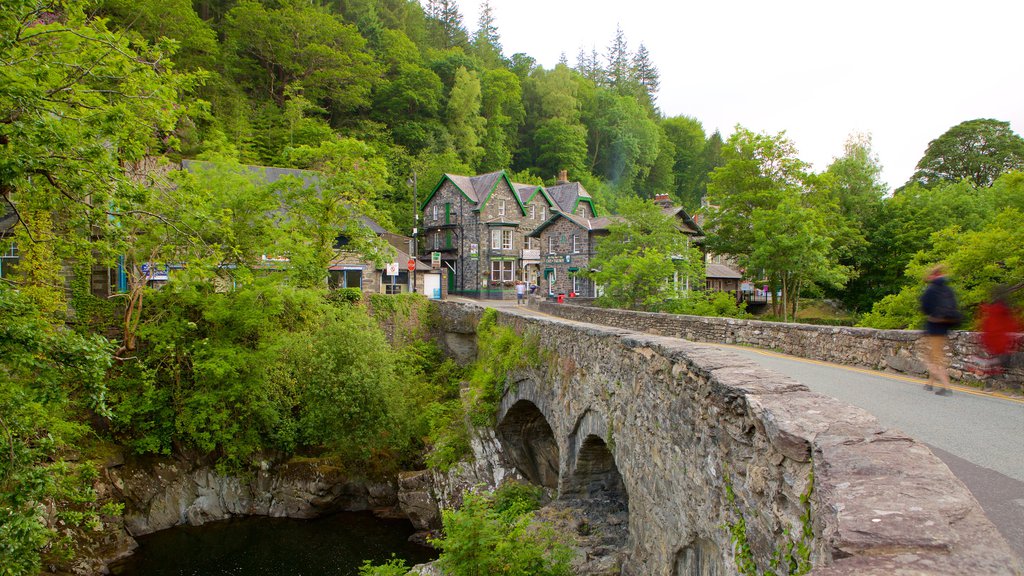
(566, 195)
(588, 224)
(713, 270)
(689, 224)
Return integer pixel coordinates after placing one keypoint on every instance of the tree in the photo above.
(645, 73)
(447, 20)
(623, 140)
(464, 120)
(688, 141)
(976, 150)
(645, 260)
(502, 107)
(78, 105)
(486, 43)
(619, 70)
(273, 48)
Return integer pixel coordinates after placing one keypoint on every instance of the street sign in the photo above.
(435, 260)
(411, 264)
(392, 269)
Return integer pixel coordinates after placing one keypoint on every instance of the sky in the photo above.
(902, 71)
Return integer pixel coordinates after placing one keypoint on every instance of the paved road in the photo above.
(979, 436)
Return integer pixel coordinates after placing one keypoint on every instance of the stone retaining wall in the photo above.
(683, 419)
(890, 350)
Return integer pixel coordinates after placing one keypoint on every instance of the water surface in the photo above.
(331, 546)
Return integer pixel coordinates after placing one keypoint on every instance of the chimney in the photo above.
(662, 200)
(563, 177)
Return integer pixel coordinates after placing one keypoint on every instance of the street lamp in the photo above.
(413, 244)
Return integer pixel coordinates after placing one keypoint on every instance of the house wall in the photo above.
(562, 257)
(490, 214)
(465, 229)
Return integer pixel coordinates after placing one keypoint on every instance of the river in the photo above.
(335, 545)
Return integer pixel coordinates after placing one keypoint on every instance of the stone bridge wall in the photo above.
(892, 350)
(681, 419)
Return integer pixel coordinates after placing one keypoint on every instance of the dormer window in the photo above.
(533, 212)
(501, 208)
(543, 213)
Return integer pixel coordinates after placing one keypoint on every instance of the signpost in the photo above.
(411, 264)
(392, 270)
(435, 260)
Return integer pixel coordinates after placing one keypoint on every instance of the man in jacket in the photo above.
(938, 303)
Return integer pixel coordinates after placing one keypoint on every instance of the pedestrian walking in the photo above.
(1000, 333)
(520, 292)
(938, 303)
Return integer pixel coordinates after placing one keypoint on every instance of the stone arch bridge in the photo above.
(656, 428)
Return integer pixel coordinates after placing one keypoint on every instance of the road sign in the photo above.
(411, 265)
(392, 269)
(435, 260)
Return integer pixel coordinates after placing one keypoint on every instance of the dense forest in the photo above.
(99, 98)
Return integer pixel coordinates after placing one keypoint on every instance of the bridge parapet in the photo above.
(682, 420)
(891, 350)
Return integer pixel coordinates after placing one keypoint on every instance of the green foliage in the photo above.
(53, 380)
(643, 255)
(792, 557)
(500, 351)
(695, 303)
(978, 151)
(393, 567)
(345, 296)
(481, 539)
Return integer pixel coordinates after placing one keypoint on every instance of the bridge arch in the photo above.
(591, 471)
(527, 437)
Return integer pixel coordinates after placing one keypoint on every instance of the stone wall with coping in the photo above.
(889, 350)
(682, 419)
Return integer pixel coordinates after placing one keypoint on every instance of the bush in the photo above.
(720, 304)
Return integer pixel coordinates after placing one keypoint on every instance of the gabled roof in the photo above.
(588, 224)
(569, 195)
(477, 189)
(712, 270)
(689, 223)
(528, 191)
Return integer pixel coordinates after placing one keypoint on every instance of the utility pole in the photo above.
(413, 244)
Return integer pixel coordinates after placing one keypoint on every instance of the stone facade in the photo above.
(566, 247)
(675, 422)
(888, 350)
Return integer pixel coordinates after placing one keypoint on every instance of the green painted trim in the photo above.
(440, 183)
(511, 187)
(501, 224)
(588, 201)
(544, 193)
(574, 269)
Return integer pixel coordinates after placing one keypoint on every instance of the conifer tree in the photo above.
(645, 72)
(619, 72)
(486, 41)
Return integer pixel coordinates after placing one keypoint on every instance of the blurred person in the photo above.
(1000, 331)
(938, 303)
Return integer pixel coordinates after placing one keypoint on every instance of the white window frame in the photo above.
(435, 212)
(575, 244)
(506, 239)
(543, 212)
(503, 270)
(576, 283)
(437, 241)
(501, 208)
(551, 244)
(533, 212)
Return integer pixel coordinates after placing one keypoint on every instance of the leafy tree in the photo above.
(976, 150)
(172, 19)
(686, 135)
(623, 140)
(760, 170)
(561, 145)
(274, 48)
(644, 261)
(78, 105)
(502, 108)
(480, 538)
(52, 380)
(464, 120)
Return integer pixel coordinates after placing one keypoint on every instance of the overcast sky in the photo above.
(904, 71)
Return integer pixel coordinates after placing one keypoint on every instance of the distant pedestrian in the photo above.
(938, 303)
(1000, 332)
(520, 292)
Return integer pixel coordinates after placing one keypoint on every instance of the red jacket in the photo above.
(999, 328)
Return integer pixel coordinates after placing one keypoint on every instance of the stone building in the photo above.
(567, 245)
(478, 225)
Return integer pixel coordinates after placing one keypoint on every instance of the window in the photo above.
(502, 270)
(582, 211)
(10, 251)
(501, 208)
(577, 284)
(533, 212)
(543, 213)
(575, 244)
(551, 244)
(437, 240)
(501, 239)
(435, 212)
(531, 243)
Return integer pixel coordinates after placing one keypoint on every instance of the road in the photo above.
(980, 436)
